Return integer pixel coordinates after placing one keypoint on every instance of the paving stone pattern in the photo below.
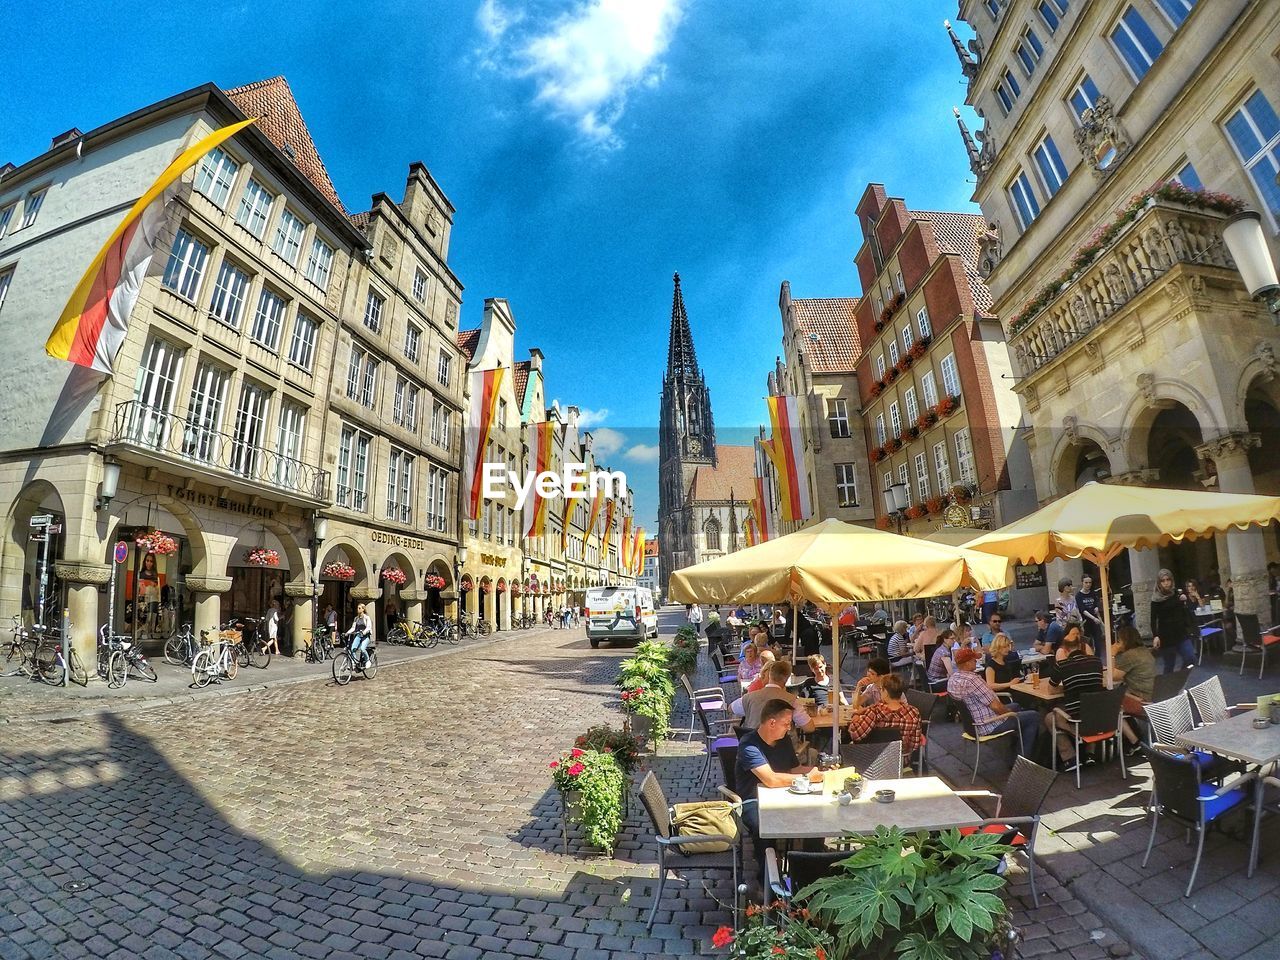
(408, 816)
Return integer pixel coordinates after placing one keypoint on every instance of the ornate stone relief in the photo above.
(1101, 138)
(990, 249)
(1266, 354)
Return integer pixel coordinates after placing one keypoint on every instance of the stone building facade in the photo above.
(1139, 356)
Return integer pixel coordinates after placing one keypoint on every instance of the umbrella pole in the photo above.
(795, 632)
(833, 693)
(1105, 581)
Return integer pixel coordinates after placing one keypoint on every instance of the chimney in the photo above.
(535, 359)
(69, 137)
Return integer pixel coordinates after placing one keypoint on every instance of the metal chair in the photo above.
(1181, 795)
(709, 698)
(1167, 720)
(925, 704)
(1255, 641)
(803, 868)
(1210, 628)
(1209, 701)
(978, 739)
(1169, 685)
(728, 754)
(1101, 721)
(655, 804)
(875, 761)
(1017, 809)
(712, 740)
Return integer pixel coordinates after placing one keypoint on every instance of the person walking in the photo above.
(695, 618)
(1171, 624)
(272, 643)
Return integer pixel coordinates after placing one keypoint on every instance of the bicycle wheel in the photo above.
(483, 628)
(260, 657)
(240, 653)
(79, 675)
(139, 667)
(175, 650)
(398, 634)
(342, 669)
(201, 668)
(453, 634)
(50, 667)
(371, 665)
(117, 670)
(233, 666)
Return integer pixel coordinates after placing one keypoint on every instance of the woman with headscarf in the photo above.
(1171, 624)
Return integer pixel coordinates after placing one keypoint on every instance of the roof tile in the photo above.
(830, 336)
(734, 474)
(520, 379)
(957, 233)
(468, 340)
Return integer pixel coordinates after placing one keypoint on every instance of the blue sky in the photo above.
(591, 147)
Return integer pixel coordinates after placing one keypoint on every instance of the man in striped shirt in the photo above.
(1077, 674)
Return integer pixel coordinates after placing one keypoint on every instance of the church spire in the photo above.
(971, 148)
(680, 355)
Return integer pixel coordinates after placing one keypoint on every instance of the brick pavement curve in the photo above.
(408, 816)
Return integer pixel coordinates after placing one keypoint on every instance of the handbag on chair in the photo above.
(704, 818)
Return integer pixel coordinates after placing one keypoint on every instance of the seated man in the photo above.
(818, 686)
(749, 705)
(989, 714)
(766, 757)
(891, 713)
(900, 652)
(866, 691)
(1041, 643)
(1077, 673)
(1133, 663)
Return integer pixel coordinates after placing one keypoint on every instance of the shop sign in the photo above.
(122, 551)
(493, 560)
(222, 503)
(1029, 575)
(397, 540)
(42, 520)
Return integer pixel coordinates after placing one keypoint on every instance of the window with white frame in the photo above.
(373, 305)
(229, 294)
(419, 286)
(902, 288)
(922, 322)
(905, 480)
(404, 405)
(369, 384)
(888, 483)
(913, 407)
(400, 486)
(1029, 51)
(293, 425)
(942, 466)
(255, 208)
(353, 469)
(6, 278)
(993, 8)
(319, 263)
(267, 320)
(288, 240)
(440, 424)
(354, 368)
(880, 366)
(502, 414)
(216, 175)
(6, 217)
(908, 337)
(412, 342)
(187, 257)
(1084, 96)
(1176, 10)
(154, 391)
(846, 485)
(893, 353)
(895, 419)
(929, 389)
(838, 417)
(31, 209)
(964, 457)
(443, 367)
(1053, 172)
(1024, 200)
(880, 435)
(205, 407)
(247, 437)
(922, 477)
(950, 376)
(1187, 176)
(302, 347)
(438, 500)
(1136, 42)
(1052, 12)
(1255, 133)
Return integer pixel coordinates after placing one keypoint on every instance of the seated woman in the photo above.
(750, 665)
(926, 636)
(766, 658)
(1002, 665)
(1073, 633)
(900, 651)
(1133, 663)
(941, 665)
(891, 713)
(819, 685)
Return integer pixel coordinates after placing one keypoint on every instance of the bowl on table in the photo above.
(885, 796)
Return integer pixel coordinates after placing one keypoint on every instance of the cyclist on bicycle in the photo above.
(360, 635)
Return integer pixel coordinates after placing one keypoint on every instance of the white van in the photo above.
(620, 613)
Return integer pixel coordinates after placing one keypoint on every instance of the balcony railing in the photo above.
(202, 449)
(1162, 236)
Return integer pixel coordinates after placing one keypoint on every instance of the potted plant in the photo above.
(934, 504)
(337, 570)
(434, 581)
(683, 654)
(882, 522)
(394, 575)
(592, 788)
(626, 749)
(262, 557)
(760, 939)
(915, 512)
(914, 896)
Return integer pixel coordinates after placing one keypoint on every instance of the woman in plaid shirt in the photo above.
(891, 713)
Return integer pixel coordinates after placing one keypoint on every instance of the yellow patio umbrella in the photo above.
(832, 563)
(1099, 520)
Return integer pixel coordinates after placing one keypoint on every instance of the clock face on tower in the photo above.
(695, 445)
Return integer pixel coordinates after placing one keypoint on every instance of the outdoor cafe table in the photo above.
(1044, 692)
(922, 803)
(1237, 739)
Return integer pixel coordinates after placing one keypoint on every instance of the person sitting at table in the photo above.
(866, 691)
(1171, 624)
(1049, 633)
(818, 686)
(962, 636)
(1076, 633)
(1002, 665)
(891, 713)
(766, 657)
(749, 705)
(917, 624)
(941, 665)
(750, 665)
(990, 714)
(1132, 662)
(900, 650)
(767, 758)
(1077, 673)
(926, 636)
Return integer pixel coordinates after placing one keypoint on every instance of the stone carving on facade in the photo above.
(1265, 353)
(1101, 138)
(986, 151)
(1153, 243)
(1117, 288)
(82, 571)
(1147, 387)
(1080, 313)
(1227, 445)
(299, 589)
(365, 593)
(989, 249)
(1071, 430)
(208, 584)
(1135, 478)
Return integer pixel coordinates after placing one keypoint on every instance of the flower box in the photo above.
(338, 571)
(892, 374)
(262, 557)
(877, 454)
(394, 575)
(156, 542)
(877, 388)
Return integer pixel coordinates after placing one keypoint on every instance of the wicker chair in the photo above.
(875, 761)
(1167, 720)
(1017, 813)
(1209, 701)
(655, 804)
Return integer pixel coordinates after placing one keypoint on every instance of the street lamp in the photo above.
(1247, 244)
(319, 532)
(459, 559)
(896, 500)
(110, 485)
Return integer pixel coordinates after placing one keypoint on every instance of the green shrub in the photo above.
(600, 784)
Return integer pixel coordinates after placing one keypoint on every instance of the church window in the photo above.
(712, 531)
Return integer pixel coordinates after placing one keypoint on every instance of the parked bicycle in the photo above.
(320, 648)
(469, 627)
(182, 647)
(440, 628)
(247, 645)
(215, 661)
(408, 633)
(119, 658)
(346, 663)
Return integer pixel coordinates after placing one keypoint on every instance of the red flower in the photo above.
(778, 952)
(575, 753)
(820, 953)
(576, 769)
(553, 764)
(722, 937)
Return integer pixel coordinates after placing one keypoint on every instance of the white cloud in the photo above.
(591, 418)
(643, 453)
(587, 61)
(606, 442)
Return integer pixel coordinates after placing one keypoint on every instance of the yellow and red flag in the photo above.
(751, 527)
(609, 506)
(485, 387)
(627, 543)
(639, 551)
(786, 450)
(95, 320)
(536, 507)
(592, 517)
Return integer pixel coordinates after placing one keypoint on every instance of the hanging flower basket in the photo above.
(502, 586)
(434, 581)
(262, 557)
(156, 542)
(516, 589)
(466, 583)
(882, 522)
(486, 586)
(338, 571)
(394, 575)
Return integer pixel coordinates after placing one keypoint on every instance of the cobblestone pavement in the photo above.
(406, 816)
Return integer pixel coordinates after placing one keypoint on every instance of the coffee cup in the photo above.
(800, 783)
(885, 796)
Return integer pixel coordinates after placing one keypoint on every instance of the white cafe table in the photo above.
(922, 803)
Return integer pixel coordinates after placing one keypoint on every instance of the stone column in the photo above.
(366, 595)
(1246, 549)
(302, 593)
(1143, 566)
(411, 600)
(82, 580)
(207, 592)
